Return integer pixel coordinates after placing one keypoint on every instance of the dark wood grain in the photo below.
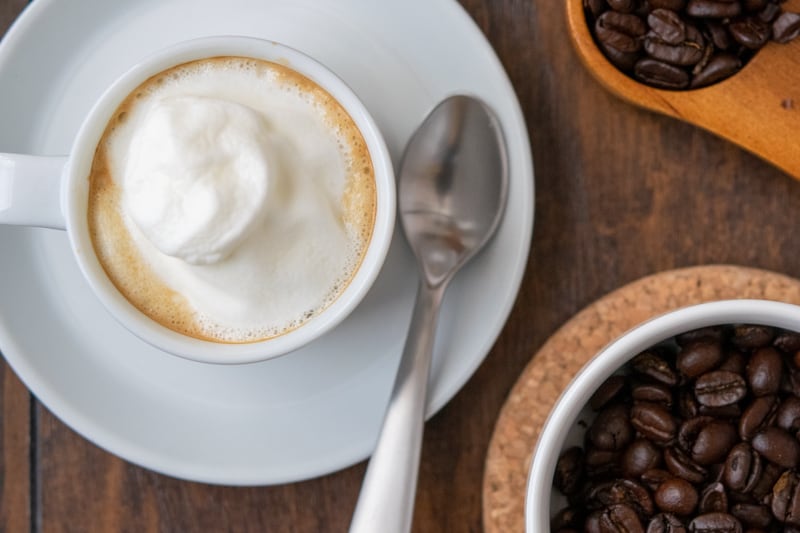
(15, 457)
(620, 193)
(9, 9)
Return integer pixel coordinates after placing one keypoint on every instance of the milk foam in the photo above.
(232, 199)
(196, 176)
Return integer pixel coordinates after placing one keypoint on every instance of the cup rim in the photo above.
(611, 358)
(74, 200)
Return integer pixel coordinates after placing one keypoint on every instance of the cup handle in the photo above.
(30, 190)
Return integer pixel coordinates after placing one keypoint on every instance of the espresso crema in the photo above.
(231, 199)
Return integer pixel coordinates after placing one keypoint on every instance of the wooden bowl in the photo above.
(757, 108)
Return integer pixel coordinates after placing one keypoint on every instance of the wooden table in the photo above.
(620, 193)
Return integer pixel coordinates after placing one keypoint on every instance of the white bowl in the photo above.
(562, 430)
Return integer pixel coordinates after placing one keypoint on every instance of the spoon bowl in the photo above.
(758, 108)
(452, 185)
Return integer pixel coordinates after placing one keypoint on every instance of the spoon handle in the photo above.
(386, 500)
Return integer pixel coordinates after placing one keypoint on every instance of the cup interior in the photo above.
(566, 424)
(75, 188)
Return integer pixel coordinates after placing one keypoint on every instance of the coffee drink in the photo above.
(231, 199)
(699, 433)
(686, 44)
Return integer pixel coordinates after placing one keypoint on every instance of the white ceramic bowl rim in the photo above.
(609, 360)
(75, 192)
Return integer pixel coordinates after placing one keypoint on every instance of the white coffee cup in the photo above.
(53, 192)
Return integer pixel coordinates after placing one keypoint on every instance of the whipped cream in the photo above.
(246, 197)
(197, 176)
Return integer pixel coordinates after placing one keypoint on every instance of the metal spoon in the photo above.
(452, 190)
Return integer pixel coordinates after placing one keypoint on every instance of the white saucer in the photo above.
(309, 413)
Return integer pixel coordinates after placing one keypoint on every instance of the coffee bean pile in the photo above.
(700, 435)
(686, 44)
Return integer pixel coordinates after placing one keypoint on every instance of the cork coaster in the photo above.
(552, 368)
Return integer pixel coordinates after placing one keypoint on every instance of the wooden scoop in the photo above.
(757, 108)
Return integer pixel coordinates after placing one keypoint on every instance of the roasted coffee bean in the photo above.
(751, 336)
(681, 465)
(713, 499)
(620, 31)
(751, 32)
(788, 414)
(569, 471)
(786, 499)
(707, 440)
(606, 392)
(759, 414)
(611, 430)
(621, 491)
(618, 35)
(652, 392)
(698, 357)
(785, 28)
(654, 365)
(667, 25)
(743, 468)
(715, 523)
(686, 53)
(718, 9)
(654, 421)
(620, 519)
(787, 341)
(764, 371)
(752, 515)
(660, 74)
(665, 523)
(770, 12)
(639, 457)
(719, 387)
(676, 496)
(777, 446)
(718, 68)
